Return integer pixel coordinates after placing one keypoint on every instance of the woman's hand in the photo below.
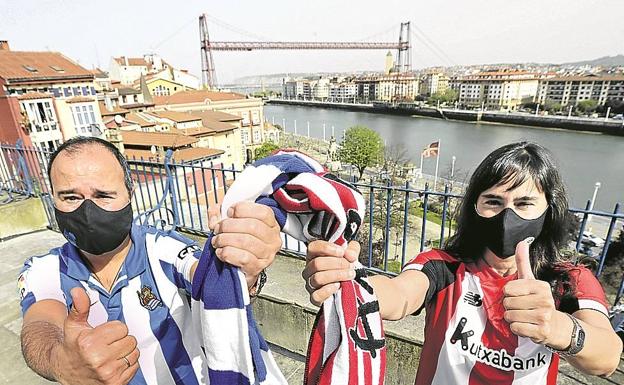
(327, 265)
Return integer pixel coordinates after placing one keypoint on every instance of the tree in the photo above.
(265, 150)
(586, 106)
(361, 147)
(551, 106)
(448, 96)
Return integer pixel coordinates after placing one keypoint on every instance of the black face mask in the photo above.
(93, 229)
(505, 230)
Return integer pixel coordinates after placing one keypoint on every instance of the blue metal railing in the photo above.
(180, 193)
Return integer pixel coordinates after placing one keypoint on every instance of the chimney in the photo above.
(4, 45)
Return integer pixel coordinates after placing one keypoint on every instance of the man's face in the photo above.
(93, 173)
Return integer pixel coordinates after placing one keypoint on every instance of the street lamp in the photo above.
(593, 200)
(591, 203)
(453, 159)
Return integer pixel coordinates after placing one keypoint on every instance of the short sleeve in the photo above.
(439, 267)
(585, 292)
(39, 280)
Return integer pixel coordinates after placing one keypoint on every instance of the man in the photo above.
(111, 306)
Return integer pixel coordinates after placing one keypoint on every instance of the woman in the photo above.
(502, 304)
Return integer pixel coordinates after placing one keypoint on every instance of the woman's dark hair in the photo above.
(516, 163)
(78, 143)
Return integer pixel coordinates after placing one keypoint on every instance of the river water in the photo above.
(583, 158)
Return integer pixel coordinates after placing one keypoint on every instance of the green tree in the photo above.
(551, 106)
(264, 150)
(448, 96)
(586, 106)
(361, 147)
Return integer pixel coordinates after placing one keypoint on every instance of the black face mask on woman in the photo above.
(93, 229)
(505, 230)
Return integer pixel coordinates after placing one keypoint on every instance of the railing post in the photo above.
(605, 248)
(583, 224)
(387, 229)
(444, 208)
(405, 223)
(424, 218)
(371, 219)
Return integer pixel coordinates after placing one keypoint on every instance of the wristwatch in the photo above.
(577, 341)
(255, 289)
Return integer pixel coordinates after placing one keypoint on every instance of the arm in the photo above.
(65, 348)
(597, 357)
(328, 264)
(42, 334)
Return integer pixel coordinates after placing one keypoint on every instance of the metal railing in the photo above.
(401, 221)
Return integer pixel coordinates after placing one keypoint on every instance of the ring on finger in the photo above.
(125, 358)
(310, 284)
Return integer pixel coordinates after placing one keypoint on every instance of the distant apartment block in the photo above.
(432, 83)
(46, 98)
(570, 90)
(496, 90)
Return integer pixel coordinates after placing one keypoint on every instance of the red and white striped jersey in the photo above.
(467, 340)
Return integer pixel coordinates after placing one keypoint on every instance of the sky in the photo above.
(445, 32)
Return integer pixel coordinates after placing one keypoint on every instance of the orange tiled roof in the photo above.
(162, 139)
(34, 95)
(217, 115)
(23, 66)
(176, 116)
(133, 61)
(115, 111)
(196, 96)
(180, 155)
(136, 118)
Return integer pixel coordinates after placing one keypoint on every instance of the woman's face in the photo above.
(526, 200)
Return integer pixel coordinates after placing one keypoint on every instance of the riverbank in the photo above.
(609, 127)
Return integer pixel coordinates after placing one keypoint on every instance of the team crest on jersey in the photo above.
(148, 299)
(21, 285)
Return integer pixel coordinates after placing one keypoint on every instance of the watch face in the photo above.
(580, 341)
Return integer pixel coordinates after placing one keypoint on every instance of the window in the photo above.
(77, 91)
(92, 90)
(85, 91)
(67, 92)
(56, 92)
(57, 69)
(30, 69)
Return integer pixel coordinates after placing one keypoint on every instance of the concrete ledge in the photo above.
(22, 217)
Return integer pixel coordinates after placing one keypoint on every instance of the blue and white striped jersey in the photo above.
(149, 295)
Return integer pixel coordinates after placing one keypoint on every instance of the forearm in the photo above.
(399, 296)
(599, 356)
(40, 342)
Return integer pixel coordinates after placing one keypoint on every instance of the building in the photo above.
(297, 89)
(128, 71)
(432, 83)
(397, 87)
(47, 95)
(250, 110)
(497, 90)
(570, 90)
(152, 146)
(345, 91)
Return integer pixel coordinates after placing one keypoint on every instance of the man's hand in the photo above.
(249, 238)
(102, 355)
(530, 307)
(327, 265)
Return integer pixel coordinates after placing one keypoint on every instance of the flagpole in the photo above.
(435, 179)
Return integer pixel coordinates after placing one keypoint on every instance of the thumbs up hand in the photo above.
(530, 307)
(102, 355)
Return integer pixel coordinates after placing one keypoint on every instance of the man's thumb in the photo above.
(523, 260)
(79, 311)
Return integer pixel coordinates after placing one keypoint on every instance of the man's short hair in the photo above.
(77, 143)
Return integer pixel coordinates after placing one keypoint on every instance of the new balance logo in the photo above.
(473, 299)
